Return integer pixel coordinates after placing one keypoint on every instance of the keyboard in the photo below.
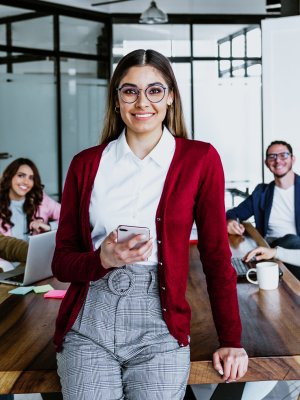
(240, 267)
(16, 278)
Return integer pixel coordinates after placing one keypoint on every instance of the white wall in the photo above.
(281, 83)
(228, 115)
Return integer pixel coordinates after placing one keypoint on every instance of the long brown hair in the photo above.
(32, 199)
(174, 120)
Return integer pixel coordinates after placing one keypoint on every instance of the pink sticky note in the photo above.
(55, 294)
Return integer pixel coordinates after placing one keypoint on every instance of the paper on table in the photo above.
(55, 294)
(42, 288)
(22, 290)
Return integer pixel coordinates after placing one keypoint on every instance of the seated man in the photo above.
(12, 249)
(275, 206)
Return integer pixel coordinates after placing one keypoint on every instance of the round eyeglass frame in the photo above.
(139, 92)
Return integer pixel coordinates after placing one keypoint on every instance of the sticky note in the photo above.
(22, 290)
(55, 294)
(42, 288)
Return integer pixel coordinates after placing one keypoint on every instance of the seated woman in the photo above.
(24, 207)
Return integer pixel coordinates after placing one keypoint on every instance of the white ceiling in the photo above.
(175, 6)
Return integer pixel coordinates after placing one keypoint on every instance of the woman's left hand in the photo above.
(39, 226)
(231, 363)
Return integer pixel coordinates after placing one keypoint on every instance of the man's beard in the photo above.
(284, 174)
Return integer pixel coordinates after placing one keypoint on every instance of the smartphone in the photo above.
(126, 232)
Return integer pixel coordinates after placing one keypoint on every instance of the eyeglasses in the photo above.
(282, 156)
(130, 94)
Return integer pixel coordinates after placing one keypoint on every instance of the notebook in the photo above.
(241, 267)
(38, 262)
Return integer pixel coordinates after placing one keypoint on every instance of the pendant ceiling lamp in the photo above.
(153, 15)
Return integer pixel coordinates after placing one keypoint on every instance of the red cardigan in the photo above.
(193, 190)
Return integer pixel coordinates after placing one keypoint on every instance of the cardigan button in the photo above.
(164, 309)
(163, 288)
(160, 263)
(158, 219)
(159, 241)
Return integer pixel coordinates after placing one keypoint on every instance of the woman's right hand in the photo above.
(260, 253)
(39, 226)
(234, 227)
(114, 255)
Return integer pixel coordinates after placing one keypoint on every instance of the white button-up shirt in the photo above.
(127, 189)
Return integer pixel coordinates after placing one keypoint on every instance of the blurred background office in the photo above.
(236, 61)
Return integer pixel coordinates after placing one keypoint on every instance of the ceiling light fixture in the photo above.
(153, 15)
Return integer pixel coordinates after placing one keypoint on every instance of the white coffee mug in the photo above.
(267, 274)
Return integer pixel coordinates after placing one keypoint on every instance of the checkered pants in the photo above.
(119, 346)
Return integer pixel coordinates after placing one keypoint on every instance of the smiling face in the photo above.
(143, 117)
(278, 167)
(21, 183)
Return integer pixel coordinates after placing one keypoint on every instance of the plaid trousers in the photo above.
(119, 346)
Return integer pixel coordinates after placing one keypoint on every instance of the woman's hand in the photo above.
(39, 226)
(231, 363)
(260, 253)
(114, 255)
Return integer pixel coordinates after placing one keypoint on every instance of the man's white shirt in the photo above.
(282, 217)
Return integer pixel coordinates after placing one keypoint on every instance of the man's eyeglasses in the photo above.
(130, 94)
(282, 156)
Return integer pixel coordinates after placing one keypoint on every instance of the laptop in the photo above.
(241, 268)
(38, 263)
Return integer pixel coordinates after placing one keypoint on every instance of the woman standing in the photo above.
(123, 327)
(24, 207)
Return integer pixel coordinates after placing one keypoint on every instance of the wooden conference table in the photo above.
(271, 330)
(270, 319)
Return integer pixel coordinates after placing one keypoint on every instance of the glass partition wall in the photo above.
(55, 65)
(54, 72)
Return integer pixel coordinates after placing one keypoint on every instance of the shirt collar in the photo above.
(164, 148)
(160, 154)
(122, 148)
